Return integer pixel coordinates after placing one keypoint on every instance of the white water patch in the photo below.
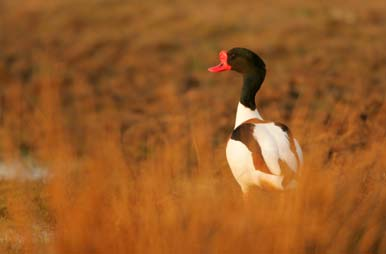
(40, 236)
(22, 171)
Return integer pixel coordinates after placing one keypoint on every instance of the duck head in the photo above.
(241, 60)
(250, 65)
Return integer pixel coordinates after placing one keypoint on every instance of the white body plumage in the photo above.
(275, 152)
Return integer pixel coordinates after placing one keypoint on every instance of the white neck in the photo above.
(243, 114)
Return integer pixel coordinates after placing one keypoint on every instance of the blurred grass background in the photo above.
(117, 132)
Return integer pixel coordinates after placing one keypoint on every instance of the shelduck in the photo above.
(259, 152)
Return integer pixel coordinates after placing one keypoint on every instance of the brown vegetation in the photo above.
(114, 100)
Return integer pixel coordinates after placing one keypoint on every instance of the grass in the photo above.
(114, 100)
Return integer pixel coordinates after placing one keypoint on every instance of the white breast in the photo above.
(241, 163)
(274, 145)
(243, 114)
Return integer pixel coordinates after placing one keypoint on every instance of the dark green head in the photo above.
(245, 61)
(241, 60)
(250, 65)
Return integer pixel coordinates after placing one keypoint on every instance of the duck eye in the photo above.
(232, 56)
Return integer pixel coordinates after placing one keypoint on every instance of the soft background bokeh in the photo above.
(113, 134)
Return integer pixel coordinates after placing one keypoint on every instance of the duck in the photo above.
(260, 153)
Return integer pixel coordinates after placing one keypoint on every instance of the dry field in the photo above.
(113, 133)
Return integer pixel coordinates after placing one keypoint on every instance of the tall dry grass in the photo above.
(132, 130)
